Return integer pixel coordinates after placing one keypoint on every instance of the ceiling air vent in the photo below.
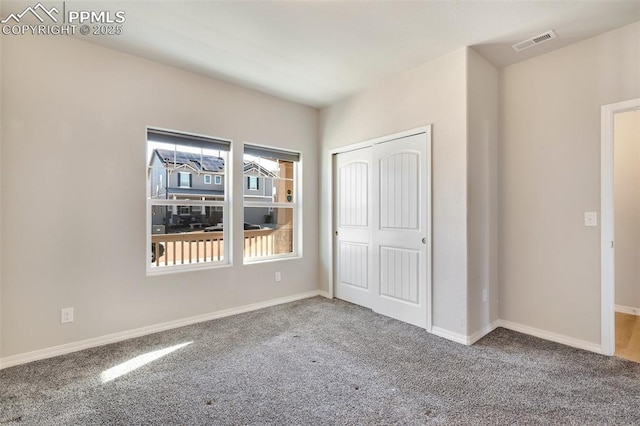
(525, 44)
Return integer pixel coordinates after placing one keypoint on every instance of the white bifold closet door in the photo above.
(353, 216)
(383, 231)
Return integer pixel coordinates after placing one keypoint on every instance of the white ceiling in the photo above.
(316, 52)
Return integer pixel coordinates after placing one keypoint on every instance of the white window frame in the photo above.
(219, 205)
(217, 180)
(295, 205)
(207, 179)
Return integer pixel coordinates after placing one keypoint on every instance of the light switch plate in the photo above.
(590, 218)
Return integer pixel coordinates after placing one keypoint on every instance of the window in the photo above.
(218, 180)
(207, 179)
(184, 180)
(271, 203)
(253, 183)
(185, 217)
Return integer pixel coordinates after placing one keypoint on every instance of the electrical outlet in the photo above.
(485, 295)
(66, 315)
(278, 277)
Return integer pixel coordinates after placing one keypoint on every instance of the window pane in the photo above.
(267, 231)
(184, 180)
(187, 173)
(184, 172)
(185, 218)
(268, 180)
(283, 191)
(269, 177)
(252, 183)
(186, 234)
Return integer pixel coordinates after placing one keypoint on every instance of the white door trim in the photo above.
(332, 222)
(608, 332)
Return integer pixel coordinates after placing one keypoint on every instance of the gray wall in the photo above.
(482, 192)
(93, 100)
(549, 174)
(434, 93)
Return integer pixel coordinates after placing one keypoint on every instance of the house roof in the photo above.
(252, 165)
(200, 163)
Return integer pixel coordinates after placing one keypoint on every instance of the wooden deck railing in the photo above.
(199, 247)
(187, 247)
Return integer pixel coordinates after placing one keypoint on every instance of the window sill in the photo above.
(270, 259)
(175, 269)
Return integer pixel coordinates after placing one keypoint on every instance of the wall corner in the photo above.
(482, 192)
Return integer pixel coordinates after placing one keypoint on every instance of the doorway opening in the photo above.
(620, 249)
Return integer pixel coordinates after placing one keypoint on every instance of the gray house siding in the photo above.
(263, 192)
(197, 184)
(165, 169)
(158, 178)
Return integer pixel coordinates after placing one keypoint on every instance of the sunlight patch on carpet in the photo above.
(137, 362)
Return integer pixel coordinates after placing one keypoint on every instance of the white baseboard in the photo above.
(481, 333)
(543, 334)
(13, 360)
(627, 310)
(456, 337)
(450, 335)
(461, 338)
(554, 337)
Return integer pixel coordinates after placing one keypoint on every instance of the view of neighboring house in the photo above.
(258, 183)
(185, 175)
(180, 175)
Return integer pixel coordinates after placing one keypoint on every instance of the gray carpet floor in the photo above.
(317, 362)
